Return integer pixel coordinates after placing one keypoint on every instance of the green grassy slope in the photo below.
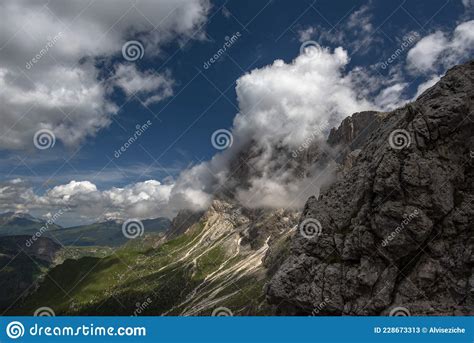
(168, 279)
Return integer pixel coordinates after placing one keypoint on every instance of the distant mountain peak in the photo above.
(21, 215)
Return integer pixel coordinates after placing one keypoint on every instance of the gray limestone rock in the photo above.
(396, 228)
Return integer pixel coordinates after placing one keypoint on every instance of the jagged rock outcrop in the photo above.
(396, 230)
(354, 131)
(183, 220)
(351, 135)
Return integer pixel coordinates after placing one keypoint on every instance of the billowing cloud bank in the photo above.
(49, 50)
(283, 102)
(280, 105)
(86, 203)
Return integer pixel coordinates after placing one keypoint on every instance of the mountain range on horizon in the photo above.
(106, 233)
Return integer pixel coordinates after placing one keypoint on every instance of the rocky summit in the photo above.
(395, 231)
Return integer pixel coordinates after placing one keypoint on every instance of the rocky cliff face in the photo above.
(395, 232)
(354, 131)
(182, 222)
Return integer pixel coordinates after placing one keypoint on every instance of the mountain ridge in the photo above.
(394, 230)
(106, 233)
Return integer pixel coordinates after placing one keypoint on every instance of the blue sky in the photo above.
(205, 100)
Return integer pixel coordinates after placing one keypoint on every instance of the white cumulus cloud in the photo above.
(48, 73)
(441, 50)
(154, 87)
(86, 203)
(280, 106)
